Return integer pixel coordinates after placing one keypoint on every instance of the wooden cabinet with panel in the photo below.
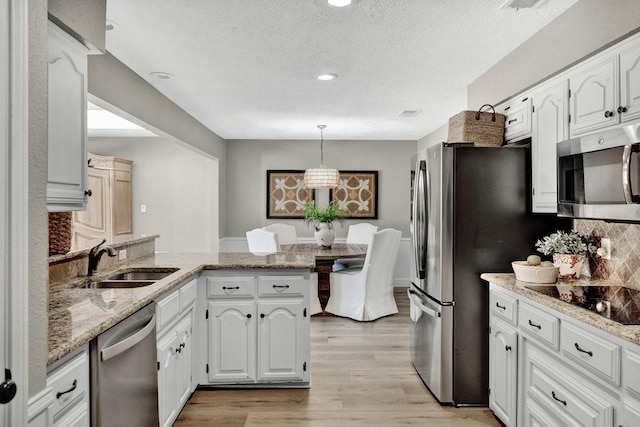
(67, 122)
(109, 212)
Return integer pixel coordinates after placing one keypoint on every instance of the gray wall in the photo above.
(248, 161)
(178, 186)
(437, 136)
(586, 27)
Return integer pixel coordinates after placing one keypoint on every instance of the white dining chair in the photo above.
(286, 233)
(358, 234)
(314, 300)
(366, 293)
(262, 241)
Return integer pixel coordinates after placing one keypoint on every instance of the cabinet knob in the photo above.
(507, 348)
(262, 315)
(249, 316)
(608, 114)
(88, 193)
(622, 109)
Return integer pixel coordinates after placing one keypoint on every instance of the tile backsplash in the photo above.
(624, 265)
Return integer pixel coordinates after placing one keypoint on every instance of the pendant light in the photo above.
(321, 177)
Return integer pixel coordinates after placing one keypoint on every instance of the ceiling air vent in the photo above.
(521, 4)
(409, 113)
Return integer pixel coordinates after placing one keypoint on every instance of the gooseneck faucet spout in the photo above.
(95, 253)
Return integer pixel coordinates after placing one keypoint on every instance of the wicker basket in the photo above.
(59, 233)
(481, 128)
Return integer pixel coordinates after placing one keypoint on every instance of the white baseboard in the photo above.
(39, 411)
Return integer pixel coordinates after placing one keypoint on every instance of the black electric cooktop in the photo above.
(617, 303)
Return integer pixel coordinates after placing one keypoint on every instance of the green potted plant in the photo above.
(322, 220)
(569, 251)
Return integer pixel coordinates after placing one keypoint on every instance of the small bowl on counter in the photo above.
(534, 273)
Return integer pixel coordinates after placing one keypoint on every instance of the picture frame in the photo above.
(357, 194)
(286, 194)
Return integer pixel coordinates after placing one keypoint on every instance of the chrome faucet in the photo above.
(95, 253)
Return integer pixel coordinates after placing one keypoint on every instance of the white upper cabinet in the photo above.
(517, 124)
(550, 123)
(606, 90)
(67, 121)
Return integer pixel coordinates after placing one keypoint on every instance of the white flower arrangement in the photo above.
(562, 242)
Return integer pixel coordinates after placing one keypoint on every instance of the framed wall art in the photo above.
(357, 194)
(286, 194)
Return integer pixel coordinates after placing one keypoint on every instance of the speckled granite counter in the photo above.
(626, 332)
(78, 314)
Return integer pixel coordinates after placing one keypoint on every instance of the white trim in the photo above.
(39, 407)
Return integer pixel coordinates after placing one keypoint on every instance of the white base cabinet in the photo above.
(257, 328)
(69, 380)
(549, 369)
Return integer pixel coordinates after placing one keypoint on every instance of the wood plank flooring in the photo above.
(361, 375)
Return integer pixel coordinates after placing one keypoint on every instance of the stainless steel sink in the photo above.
(123, 284)
(148, 274)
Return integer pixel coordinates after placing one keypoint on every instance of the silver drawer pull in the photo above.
(590, 353)
(280, 286)
(553, 394)
(73, 387)
(230, 288)
(534, 325)
(501, 307)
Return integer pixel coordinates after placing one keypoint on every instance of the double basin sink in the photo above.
(133, 278)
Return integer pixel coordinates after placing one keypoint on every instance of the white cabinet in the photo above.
(503, 350)
(67, 121)
(174, 314)
(69, 380)
(257, 328)
(517, 124)
(606, 90)
(549, 127)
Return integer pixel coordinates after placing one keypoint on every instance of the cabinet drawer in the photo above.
(70, 383)
(188, 293)
(167, 309)
(595, 353)
(539, 324)
(504, 306)
(231, 286)
(282, 285)
(631, 371)
(517, 122)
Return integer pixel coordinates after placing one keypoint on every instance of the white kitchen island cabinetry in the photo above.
(175, 314)
(568, 373)
(257, 328)
(67, 122)
(69, 380)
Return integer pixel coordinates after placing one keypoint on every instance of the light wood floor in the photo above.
(361, 375)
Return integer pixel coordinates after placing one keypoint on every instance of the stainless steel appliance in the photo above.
(124, 376)
(470, 214)
(599, 175)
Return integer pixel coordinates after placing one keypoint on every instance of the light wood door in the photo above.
(282, 339)
(550, 122)
(503, 346)
(630, 83)
(594, 96)
(232, 341)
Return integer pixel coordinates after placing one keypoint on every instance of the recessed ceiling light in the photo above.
(325, 77)
(110, 25)
(161, 75)
(339, 3)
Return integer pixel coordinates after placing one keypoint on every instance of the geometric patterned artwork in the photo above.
(357, 194)
(286, 194)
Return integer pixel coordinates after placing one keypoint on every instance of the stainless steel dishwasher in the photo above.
(124, 376)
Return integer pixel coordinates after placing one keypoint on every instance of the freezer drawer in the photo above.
(431, 349)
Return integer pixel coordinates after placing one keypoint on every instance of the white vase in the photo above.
(570, 265)
(324, 234)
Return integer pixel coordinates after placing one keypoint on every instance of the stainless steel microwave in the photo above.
(599, 175)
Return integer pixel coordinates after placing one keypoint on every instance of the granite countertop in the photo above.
(629, 333)
(78, 314)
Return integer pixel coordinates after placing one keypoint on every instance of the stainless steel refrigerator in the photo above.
(470, 214)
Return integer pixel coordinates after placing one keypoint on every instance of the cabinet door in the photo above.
(282, 340)
(517, 123)
(184, 331)
(67, 122)
(78, 416)
(630, 83)
(550, 121)
(502, 371)
(232, 341)
(594, 96)
(168, 377)
(92, 223)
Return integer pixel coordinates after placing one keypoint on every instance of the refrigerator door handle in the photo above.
(426, 310)
(419, 220)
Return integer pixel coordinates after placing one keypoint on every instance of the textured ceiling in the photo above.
(244, 68)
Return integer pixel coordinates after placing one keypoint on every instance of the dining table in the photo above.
(325, 256)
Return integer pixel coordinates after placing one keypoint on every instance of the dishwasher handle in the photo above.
(124, 345)
(424, 308)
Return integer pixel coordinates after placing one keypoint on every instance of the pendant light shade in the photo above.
(321, 177)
